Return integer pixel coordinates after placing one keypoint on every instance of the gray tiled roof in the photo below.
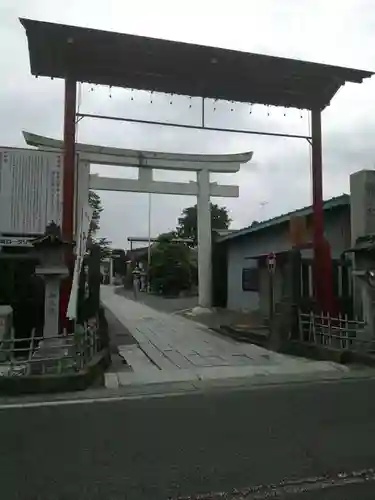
(343, 200)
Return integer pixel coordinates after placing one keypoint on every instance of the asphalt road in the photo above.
(157, 448)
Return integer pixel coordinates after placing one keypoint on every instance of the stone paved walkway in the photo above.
(174, 348)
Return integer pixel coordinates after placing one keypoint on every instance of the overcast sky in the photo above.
(278, 178)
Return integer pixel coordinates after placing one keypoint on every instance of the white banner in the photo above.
(81, 247)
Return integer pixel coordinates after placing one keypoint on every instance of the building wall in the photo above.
(275, 239)
(239, 252)
(237, 299)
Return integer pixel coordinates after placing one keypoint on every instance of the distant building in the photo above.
(244, 270)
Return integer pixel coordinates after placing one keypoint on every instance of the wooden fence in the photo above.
(339, 332)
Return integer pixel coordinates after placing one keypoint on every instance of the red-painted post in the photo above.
(68, 188)
(69, 158)
(317, 176)
(323, 277)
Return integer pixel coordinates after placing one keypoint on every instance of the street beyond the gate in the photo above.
(202, 443)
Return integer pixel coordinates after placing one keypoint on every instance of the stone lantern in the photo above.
(50, 249)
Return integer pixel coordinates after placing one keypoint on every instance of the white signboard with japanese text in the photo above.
(31, 185)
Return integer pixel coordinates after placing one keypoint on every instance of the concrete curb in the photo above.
(246, 383)
(199, 380)
(162, 390)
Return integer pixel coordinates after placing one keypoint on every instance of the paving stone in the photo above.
(111, 380)
(158, 357)
(136, 358)
(182, 347)
(178, 359)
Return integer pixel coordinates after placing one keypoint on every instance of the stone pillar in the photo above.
(51, 306)
(362, 223)
(110, 271)
(204, 239)
(367, 304)
(362, 204)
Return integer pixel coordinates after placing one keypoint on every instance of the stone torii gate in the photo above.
(146, 162)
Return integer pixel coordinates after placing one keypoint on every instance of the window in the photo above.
(250, 279)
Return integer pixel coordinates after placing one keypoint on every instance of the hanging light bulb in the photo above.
(251, 109)
(110, 92)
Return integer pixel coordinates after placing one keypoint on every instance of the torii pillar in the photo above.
(204, 239)
(323, 272)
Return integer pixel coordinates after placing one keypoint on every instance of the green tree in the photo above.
(187, 223)
(96, 204)
(167, 237)
(171, 267)
(105, 247)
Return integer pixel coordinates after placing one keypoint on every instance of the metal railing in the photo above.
(56, 355)
(338, 332)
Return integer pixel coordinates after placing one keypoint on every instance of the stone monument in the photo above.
(362, 207)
